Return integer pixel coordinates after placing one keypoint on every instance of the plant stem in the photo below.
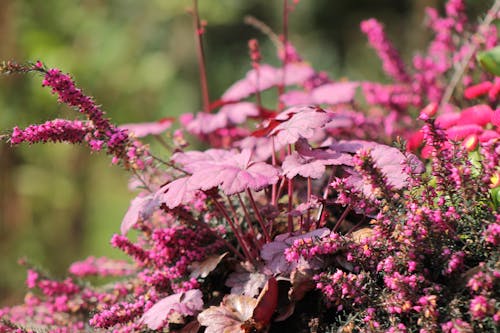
(290, 195)
(191, 219)
(201, 57)
(223, 211)
(247, 216)
(259, 217)
(342, 218)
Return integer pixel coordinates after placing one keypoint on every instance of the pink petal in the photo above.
(478, 114)
(459, 132)
(447, 120)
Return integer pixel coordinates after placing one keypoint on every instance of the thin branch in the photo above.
(473, 46)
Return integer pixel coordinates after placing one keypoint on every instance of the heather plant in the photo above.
(340, 207)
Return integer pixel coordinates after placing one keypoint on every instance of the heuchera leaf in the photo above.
(246, 283)
(144, 129)
(300, 122)
(140, 208)
(176, 193)
(274, 253)
(234, 174)
(261, 147)
(184, 304)
(229, 316)
(309, 162)
(228, 116)
(330, 93)
(267, 77)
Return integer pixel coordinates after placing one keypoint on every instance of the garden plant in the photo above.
(315, 204)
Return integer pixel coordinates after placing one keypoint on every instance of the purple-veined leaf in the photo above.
(184, 304)
(330, 93)
(300, 122)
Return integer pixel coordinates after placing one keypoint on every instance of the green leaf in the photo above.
(490, 60)
(495, 196)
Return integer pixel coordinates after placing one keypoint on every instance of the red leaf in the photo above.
(266, 303)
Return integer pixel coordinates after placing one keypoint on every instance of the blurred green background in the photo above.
(59, 203)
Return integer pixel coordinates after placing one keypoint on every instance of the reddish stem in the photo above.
(290, 197)
(223, 211)
(191, 219)
(198, 32)
(259, 217)
(247, 216)
(342, 218)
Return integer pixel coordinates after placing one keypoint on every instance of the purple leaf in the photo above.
(184, 304)
(142, 208)
(300, 122)
(309, 162)
(297, 97)
(196, 160)
(335, 93)
(262, 148)
(176, 193)
(267, 77)
(235, 173)
(228, 116)
(274, 253)
(330, 93)
(144, 129)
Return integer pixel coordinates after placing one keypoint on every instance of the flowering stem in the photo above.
(259, 217)
(191, 219)
(201, 57)
(223, 211)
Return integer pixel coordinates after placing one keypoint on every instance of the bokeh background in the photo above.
(59, 203)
